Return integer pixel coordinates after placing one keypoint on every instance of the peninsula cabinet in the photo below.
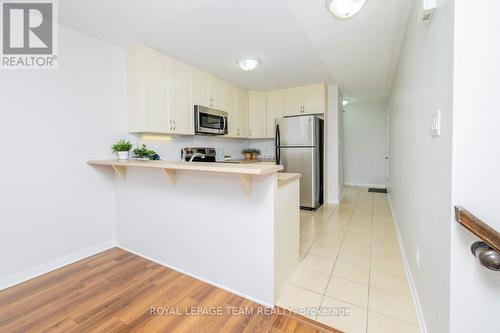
(159, 93)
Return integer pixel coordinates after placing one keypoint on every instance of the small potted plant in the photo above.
(247, 152)
(144, 153)
(255, 154)
(122, 148)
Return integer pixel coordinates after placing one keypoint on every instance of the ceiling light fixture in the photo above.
(248, 63)
(345, 102)
(345, 8)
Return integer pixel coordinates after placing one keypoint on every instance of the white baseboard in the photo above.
(198, 277)
(411, 282)
(36, 271)
(367, 185)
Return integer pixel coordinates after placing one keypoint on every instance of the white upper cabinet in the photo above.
(238, 119)
(292, 101)
(200, 88)
(156, 115)
(304, 100)
(216, 93)
(314, 99)
(179, 99)
(274, 110)
(162, 92)
(207, 90)
(228, 97)
(257, 114)
(159, 93)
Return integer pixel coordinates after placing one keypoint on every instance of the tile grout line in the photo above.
(336, 258)
(370, 268)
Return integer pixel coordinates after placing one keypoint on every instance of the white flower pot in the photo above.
(122, 155)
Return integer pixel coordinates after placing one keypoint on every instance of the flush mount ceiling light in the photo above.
(345, 8)
(248, 63)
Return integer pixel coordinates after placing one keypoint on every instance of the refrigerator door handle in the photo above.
(277, 143)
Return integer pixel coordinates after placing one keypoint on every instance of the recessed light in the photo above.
(345, 102)
(248, 63)
(345, 8)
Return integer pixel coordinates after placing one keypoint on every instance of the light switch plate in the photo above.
(436, 123)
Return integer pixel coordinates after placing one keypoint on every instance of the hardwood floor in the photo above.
(116, 291)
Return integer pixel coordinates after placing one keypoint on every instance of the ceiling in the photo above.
(298, 41)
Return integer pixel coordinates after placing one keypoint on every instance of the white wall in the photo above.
(364, 144)
(420, 165)
(51, 122)
(475, 291)
(333, 145)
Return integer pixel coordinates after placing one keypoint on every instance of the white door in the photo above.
(179, 101)
(242, 112)
(274, 110)
(257, 114)
(157, 120)
(229, 99)
(216, 93)
(292, 101)
(313, 99)
(200, 88)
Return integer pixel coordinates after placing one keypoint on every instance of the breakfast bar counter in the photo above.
(195, 218)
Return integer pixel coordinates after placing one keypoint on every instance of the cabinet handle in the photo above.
(170, 121)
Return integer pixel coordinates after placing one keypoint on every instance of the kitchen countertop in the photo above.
(285, 178)
(235, 168)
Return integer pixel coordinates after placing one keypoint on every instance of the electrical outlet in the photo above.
(417, 257)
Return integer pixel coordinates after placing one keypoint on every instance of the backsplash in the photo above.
(169, 148)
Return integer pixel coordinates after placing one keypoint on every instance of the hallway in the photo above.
(351, 261)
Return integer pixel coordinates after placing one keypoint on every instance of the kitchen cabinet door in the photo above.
(229, 100)
(216, 89)
(200, 88)
(180, 106)
(156, 108)
(313, 99)
(242, 112)
(274, 110)
(257, 114)
(292, 101)
(229, 97)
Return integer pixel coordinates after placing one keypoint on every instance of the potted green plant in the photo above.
(255, 153)
(247, 152)
(143, 153)
(250, 153)
(122, 148)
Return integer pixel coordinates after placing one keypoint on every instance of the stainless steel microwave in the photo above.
(209, 121)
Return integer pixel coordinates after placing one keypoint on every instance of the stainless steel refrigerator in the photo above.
(299, 148)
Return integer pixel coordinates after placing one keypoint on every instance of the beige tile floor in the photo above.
(351, 275)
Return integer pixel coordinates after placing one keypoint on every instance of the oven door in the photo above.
(210, 121)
